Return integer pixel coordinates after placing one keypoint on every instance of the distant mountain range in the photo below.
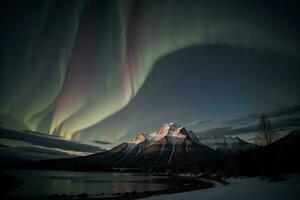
(174, 148)
(226, 144)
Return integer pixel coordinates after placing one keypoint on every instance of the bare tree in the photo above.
(267, 134)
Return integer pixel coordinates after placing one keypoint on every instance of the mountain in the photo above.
(226, 144)
(171, 144)
(291, 140)
(284, 153)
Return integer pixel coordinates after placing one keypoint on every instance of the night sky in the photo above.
(107, 70)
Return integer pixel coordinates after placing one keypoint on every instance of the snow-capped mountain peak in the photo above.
(138, 139)
(167, 130)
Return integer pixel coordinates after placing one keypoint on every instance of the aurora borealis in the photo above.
(88, 70)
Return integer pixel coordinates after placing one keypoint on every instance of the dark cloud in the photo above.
(287, 112)
(101, 142)
(48, 141)
(198, 122)
(32, 153)
(243, 120)
(42, 150)
(227, 130)
(286, 118)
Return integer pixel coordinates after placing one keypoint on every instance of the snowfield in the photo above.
(243, 189)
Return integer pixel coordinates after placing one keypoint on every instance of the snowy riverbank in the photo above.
(243, 189)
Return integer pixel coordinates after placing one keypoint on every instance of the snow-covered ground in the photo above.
(243, 189)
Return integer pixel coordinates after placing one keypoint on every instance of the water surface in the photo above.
(72, 183)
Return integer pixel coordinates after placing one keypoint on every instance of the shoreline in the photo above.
(177, 185)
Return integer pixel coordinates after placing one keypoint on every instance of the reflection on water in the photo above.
(72, 183)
